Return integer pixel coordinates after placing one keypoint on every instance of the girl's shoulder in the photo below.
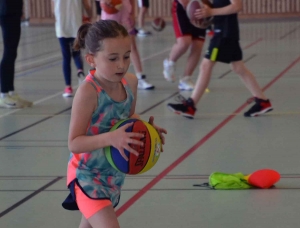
(131, 79)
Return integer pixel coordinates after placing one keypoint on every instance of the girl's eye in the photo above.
(127, 57)
(114, 59)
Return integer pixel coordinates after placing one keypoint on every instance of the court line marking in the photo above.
(6, 211)
(167, 170)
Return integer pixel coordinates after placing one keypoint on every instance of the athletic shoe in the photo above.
(68, 92)
(186, 107)
(144, 84)
(169, 70)
(8, 102)
(186, 83)
(24, 103)
(81, 77)
(143, 33)
(260, 107)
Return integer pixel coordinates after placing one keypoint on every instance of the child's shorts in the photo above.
(87, 206)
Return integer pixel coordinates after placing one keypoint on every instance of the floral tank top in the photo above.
(91, 170)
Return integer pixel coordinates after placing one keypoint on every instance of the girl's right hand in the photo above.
(121, 140)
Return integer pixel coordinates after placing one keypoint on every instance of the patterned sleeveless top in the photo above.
(91, 170)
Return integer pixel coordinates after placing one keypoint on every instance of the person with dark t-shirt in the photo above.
(224, 47)
(10, 20)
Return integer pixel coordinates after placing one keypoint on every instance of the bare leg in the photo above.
(84, 223)
(180, 47)
(105, 218)
(206, 68)
(194, 57)
(135, 56)
(141, 17)
(248, 79)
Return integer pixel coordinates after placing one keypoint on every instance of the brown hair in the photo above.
(91, 35)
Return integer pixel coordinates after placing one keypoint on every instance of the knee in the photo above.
(238, 68)
(206, 65)
(184, 43)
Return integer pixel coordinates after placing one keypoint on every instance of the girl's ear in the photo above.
(89, 58)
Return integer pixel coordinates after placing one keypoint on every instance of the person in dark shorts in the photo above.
(187, 37)
(98, 9)
(224, 47)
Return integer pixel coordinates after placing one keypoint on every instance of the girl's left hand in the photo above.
(159, 130)
(206, 11)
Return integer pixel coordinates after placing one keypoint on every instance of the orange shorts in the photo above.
(87, 206)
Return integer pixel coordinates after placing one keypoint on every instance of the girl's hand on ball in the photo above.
(159, 130)
(121, 139)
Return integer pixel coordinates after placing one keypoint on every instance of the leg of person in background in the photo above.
(11, 33)
(143, 9)
(66, 53)
(98, 10)
(187, 107)
(137, 64)
(78, 62)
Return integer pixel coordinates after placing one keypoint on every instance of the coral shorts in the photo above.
(87, 206)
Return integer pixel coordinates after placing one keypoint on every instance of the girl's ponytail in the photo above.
(81, 34)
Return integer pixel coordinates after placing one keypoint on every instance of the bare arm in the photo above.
(88, 8)
(235, 7)
(132, 82)
(84, 104)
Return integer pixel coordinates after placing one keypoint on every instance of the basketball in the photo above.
(148, 153)
(114, 7)
(158, 24)
(191, 8)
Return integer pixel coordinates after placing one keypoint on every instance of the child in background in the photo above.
(187, 37)
(224, 47)
(107, 96)
(68, 16)
(126, 18)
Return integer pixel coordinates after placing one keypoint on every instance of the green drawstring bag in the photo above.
(226, 181)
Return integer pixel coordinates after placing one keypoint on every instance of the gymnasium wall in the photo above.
(39, 11)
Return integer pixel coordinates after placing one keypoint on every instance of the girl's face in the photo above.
(113, 60)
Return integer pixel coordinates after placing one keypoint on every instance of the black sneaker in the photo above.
(261, 106)
(186, 108)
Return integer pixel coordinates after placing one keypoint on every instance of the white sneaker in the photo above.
(81, 77)
(169, 70)
(143, 33)
(8, 102)
(144, 84)
(24, 103)
(186, 83)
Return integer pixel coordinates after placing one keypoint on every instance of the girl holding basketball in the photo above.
(126, 18)
(107, 95)
(224, 47)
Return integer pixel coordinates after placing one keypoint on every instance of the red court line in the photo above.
(160, 176)
(253, 43)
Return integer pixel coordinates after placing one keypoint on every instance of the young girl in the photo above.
(224, 47)
(126, 18)
(107, 95)
(68, 15)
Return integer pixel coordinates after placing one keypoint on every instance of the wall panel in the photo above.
(39, 11)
